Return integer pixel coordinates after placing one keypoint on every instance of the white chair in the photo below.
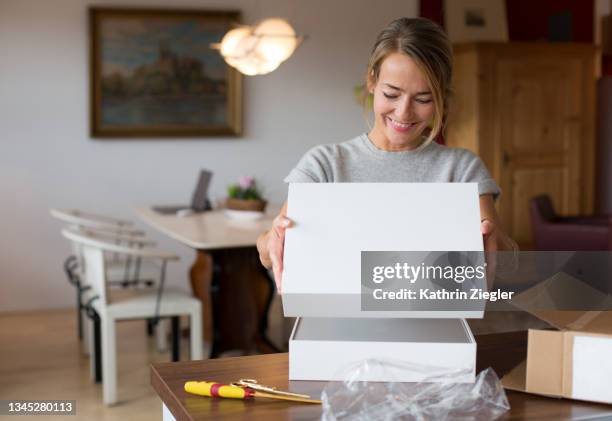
(162, 303)
(123, 233)
(77, 270)
(80, 218)
(126, 272)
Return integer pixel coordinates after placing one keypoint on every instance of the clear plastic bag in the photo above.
(438, 397)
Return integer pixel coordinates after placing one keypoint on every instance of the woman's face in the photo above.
(403, 104)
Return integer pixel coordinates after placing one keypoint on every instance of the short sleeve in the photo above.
(312, 168)
(471, 169)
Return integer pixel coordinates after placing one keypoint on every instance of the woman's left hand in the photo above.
(489, 236)
(489, 227)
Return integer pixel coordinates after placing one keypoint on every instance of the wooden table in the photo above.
(226, 276)
(501, 351)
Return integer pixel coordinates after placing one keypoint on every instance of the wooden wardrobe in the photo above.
(528, 110)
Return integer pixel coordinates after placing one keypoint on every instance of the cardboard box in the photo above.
(575, 359)
(321, 349)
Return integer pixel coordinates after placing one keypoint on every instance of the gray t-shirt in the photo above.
(358, 160)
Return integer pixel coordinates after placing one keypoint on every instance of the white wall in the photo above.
(48, 160)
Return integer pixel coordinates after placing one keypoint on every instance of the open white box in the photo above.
(334, 223)
(320, 347)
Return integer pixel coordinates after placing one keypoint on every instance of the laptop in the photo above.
(199, 199)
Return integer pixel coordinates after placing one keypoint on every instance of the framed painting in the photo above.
(476, 20)
(153, 73)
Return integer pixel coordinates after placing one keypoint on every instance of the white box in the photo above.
(319, 348)
(335, 222)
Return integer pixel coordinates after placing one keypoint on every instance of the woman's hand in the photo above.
(489, 234)
(489, 227)
(271, 246)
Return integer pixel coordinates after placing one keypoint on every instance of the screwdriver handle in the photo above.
(218, 390)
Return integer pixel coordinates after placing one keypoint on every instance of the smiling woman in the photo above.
(409, 74)
(403, 104)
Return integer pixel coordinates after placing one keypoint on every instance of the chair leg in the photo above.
(87, 342)
(109, 360)
(150, 327)
(91, 347)
(79, 310)
(176, 338)
(97, 348)
(195, 330)
(161, 335)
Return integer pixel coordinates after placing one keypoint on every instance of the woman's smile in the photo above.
(401, 127)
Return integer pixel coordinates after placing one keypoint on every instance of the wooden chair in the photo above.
(160, 304)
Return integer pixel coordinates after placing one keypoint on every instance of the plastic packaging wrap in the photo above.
(438, 397)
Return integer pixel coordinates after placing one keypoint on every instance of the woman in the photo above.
(409, 76)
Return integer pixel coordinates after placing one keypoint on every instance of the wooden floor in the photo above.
(41, 358)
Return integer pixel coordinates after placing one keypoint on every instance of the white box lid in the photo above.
(335, 222)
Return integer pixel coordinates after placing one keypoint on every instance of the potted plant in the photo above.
(245, 196)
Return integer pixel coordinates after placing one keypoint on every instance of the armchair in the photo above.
(567, 233)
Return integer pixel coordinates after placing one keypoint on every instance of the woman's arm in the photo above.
(270, 245)
(494, 236)
(489, 223)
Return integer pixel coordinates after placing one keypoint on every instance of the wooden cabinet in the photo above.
(528, 110)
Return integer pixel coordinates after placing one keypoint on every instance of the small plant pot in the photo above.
(246, 204)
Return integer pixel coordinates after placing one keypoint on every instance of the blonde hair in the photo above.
(427, 44)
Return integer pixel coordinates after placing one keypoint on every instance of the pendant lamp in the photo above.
(259, 49)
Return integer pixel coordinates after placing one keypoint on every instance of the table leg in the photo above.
(265, 294)
(235, 315)
(201, 275)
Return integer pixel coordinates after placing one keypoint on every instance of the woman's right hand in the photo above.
(271, 246)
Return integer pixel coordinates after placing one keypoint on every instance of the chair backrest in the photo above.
(93, 247)
(77, 219)
(541, 208)
(74, 217)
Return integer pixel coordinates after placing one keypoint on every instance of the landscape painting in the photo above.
(154, 74)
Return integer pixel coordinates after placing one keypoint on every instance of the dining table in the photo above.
(236, 291)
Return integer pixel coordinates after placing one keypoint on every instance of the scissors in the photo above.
(243, 389)
(254, 384)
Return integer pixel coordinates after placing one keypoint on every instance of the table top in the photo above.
(272, 370)
(207, 230)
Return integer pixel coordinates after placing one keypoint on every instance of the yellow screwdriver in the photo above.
(220, 390)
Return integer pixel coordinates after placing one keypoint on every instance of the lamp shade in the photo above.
(260, 49)
(237, 42)
(277, 39)
(253, 65)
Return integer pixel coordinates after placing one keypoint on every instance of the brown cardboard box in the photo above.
(575, 360)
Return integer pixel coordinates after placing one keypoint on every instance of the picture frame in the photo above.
(153, 73)
(476, 20)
